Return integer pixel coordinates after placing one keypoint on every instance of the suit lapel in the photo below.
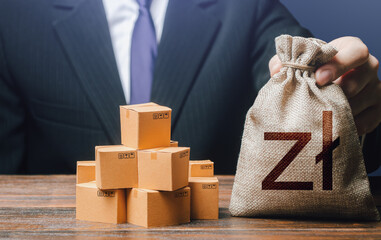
(186, 40)
(85, 37)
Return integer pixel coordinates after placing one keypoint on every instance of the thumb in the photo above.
(274, 65)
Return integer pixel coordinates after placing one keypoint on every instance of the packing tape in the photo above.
(154, 153)
(128, 113)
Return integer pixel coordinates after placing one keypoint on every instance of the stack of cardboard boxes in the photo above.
(145, 180)
(204, 190)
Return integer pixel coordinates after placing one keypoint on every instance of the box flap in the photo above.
(204, 179)
(86, 163)
(139, 105)
(146, 190)
(166, 149)
(151, 109)
(107, 146)
(91, 184)
(116, 148)
(200, 162)
(146, 107)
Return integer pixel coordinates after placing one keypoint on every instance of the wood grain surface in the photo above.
(43, 207)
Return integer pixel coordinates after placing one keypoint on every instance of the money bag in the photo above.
(300, 154)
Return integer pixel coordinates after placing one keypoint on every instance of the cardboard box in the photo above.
(204, 197)
(163, 169)
(201, 168)
(93, 204)
(145, 126)
(116, 167)
(150, 208)
(174, 143)
(85, 171)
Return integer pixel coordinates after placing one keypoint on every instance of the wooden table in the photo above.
(41, 207)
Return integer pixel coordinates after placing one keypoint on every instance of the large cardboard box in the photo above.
(163, 169)
(93, 204)
(150, 208)
(204, 197)
(145, 125)
(116, 167)
(201, 168)
(85, 171)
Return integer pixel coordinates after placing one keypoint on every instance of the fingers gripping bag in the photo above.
(300, 153)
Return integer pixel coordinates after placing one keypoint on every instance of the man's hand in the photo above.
(355, 70)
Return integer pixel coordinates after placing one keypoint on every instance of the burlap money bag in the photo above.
(300, 154)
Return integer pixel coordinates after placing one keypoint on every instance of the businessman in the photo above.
(67, 65)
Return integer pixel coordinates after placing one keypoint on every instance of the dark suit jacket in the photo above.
(60, 90)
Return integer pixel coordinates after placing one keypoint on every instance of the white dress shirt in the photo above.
(121, 16)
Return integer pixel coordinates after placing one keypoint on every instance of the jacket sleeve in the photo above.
(272, 20)
(12, 119)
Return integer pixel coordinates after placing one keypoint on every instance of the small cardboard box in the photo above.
(85, 171)
(201, 168)
(164, 169)
(174, 143)
(145, 126)
(204, 197)
(150, 208)
(93, 204)
(116, 167)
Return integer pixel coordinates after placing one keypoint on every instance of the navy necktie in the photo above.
(143, 55)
